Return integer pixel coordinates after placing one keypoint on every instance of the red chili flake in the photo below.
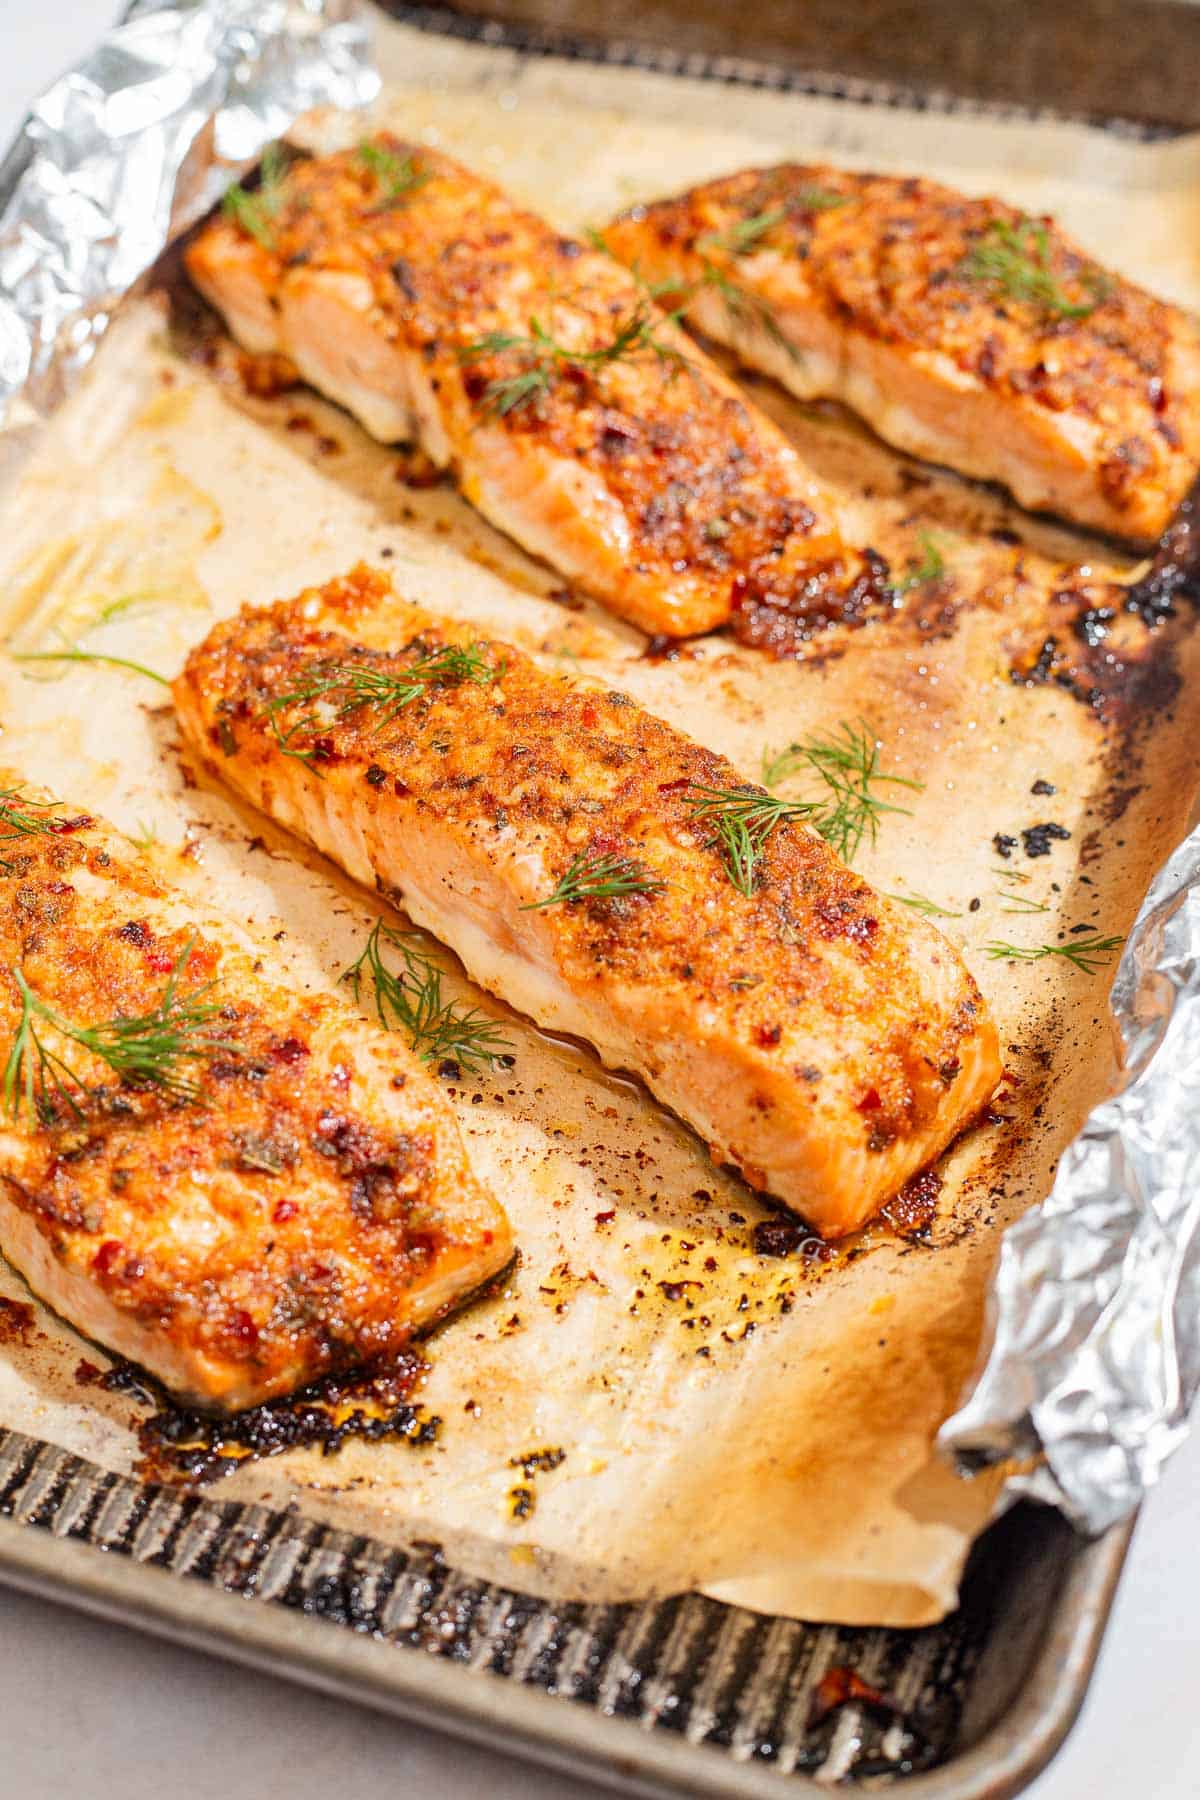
(589, 714)
(400, 788)
(606, 1218)
(767, 1035)
(242, 1327)
(674, 787)
(107, 1255)
(86, 1373)
(160, 962)
(838, 1686)
(843, 919)
(870, 1101)
(64, 827)
(291, 1050)
(1157, 394)
(283, 1211)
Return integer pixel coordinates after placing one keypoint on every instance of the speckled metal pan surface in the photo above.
(682, 1696)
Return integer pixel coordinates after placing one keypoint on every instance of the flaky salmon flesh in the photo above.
(568, 845)
(572, 412)
(961, 329)
(237, 1187)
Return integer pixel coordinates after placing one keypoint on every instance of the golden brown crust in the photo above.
(710, 496)
(893, 258)
(296, 1219)
(528, 771)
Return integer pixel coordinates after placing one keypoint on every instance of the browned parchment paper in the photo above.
(759, 1428)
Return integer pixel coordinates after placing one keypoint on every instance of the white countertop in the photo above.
(88, 1709)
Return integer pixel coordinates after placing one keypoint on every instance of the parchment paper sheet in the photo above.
(757, 1428)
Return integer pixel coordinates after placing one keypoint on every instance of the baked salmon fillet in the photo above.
(571, 848)
(962, 330)
(572, 412)
(238, 1187)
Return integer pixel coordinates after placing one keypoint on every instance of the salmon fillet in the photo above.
(575, 415)
(563, 842)
(287, 1196)
(962, 330)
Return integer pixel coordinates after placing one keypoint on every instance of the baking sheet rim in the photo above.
(496, 1713)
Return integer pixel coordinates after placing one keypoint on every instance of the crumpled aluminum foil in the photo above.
(134, 145)
(1095, 1308)
(1094, 1351)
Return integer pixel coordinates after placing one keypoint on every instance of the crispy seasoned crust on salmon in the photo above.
(294, 1199)
(961, 329)
(572, 412)
(823, 1042)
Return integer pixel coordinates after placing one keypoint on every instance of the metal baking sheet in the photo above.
(684, 1696)
(677, 1697)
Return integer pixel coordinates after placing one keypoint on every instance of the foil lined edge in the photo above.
(136, 143)
(1094, 1310)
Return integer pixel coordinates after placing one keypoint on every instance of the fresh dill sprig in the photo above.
(144, 1051)
(398, 176)
(743, 237)
(144, 838)
(74, 654)
(746, 311)
(1012, 875)
(543, 358)
(410, 1000)
(653, 290)
(21, 817)
(847, 763)
(345, 687)
(254, 210)
(742, 819)
(780, 765)
(1015, 259)
(1022, 903)
(817, 199)
(1085, 953)
(606, 877)
(930, 567)
(928, 909)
